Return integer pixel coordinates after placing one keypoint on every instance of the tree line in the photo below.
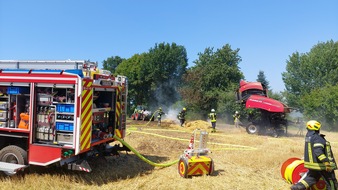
(161, 78)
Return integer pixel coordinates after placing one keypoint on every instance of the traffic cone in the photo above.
(189, 151)
(191, 144)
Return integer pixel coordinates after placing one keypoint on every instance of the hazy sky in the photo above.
(267, 32)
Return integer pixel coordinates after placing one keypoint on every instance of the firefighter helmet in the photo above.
(313, 125)
(236, 112)
(184, 109)
(212, 110)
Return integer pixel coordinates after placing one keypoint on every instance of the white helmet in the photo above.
(212, 110)
(236, 112)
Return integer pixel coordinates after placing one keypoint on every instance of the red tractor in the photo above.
(265, 115)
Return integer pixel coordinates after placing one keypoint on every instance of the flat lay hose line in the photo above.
(143, 158)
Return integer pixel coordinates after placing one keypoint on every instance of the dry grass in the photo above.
(242, 162)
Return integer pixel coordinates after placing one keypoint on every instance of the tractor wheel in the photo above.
(13, 154)
(133, 116)
(275, 134)
(183, 167)
(137, 116)
(252, 129)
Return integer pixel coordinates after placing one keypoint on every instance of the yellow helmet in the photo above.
(184, 109)
(313, 125)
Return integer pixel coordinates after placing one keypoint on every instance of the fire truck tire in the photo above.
(13, 154)
(183, 167)
(252, 129)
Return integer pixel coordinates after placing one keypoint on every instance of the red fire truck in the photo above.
(58, 112)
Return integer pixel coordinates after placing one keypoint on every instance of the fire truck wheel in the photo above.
(13, 154)
(252, 129)
(183, 167)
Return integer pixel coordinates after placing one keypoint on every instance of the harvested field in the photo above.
(242, 161)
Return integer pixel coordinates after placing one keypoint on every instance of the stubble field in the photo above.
(242, 161)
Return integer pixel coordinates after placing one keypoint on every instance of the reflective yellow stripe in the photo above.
(318, 145)
(321, 157)
(309, 152)
(328, 150)
(305, 184)
(315, 166)
(331, 184)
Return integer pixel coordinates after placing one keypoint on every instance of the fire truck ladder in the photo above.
(59, 65)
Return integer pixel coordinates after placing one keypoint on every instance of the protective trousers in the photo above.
(312, 177)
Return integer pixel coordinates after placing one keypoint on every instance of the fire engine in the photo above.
(59, 112)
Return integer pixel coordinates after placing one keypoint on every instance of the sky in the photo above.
(266, 32)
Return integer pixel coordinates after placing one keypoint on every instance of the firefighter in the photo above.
(318, 159)
(181, 116)
(159, 116)
(236, 117)
(212, 117)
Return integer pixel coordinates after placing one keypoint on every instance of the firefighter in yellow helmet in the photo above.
(318, 159)
(212, 117)
(181, 116)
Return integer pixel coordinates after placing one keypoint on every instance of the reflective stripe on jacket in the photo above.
(212, 117)
(317, 151)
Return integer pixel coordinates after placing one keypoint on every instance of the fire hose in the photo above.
(142, 157)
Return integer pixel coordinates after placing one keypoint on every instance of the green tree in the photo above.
(165, 64)
(137, 84)
(212, 81)
(262, 79)
(112, 62)
(305, 72)
(311, 72)
(154, 76)
(321, 104)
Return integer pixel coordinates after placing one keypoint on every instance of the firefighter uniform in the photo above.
(159, 116)
(318, 159)
(212, 117)
(236, 117)
(181, 116)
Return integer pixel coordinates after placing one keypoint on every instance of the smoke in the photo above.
(165, 96)
(171, 114)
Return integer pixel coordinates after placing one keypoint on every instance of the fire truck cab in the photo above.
(58, 112)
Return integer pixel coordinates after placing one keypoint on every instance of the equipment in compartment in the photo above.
(3, 105)
(24, 122)
(44, 133)
(3, 115)
(3, 124)
(46, 121)
(66, 138)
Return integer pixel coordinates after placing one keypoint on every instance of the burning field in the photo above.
(242, 161)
